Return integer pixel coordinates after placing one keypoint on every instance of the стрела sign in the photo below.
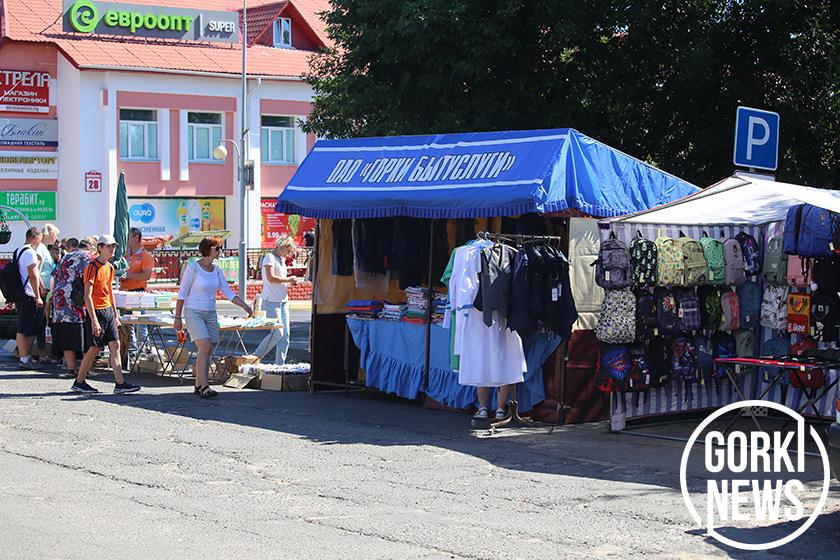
(24, 91)
(161, 22)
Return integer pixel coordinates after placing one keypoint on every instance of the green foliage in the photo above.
(659, 80)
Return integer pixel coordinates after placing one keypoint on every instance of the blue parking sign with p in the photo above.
(756, 139)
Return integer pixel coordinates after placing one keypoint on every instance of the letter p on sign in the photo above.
(756, 139)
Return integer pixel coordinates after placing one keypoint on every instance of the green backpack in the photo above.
(713, 251)
(695, 269)
(670, 262)
(774, 269)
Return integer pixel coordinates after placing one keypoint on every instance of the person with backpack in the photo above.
(46, 265)
(102, 321)
(29, 302)
(68, 304)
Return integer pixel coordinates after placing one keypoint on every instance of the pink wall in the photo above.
(36, 58)
(273, 177)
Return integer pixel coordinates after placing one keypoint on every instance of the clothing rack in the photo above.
(513, 418)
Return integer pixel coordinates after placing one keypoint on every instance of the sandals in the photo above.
(205, 392)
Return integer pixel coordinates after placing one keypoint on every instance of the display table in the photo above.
(393, 356)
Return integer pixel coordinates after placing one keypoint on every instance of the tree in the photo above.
(658, 80)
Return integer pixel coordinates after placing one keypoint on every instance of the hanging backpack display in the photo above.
(751, 252)
(749, 305)
(774, 269)
(799, 314)
(660, 361)
(612, 267)
(711, 313)
(646, 320)
(799, 272)
(670, 263)
(825, 307)
(735, 275)
(705, 356)
(689, 310)
(826, 273)
(790, 236)
(683, 358)
(731, 311)
(639, 378)
(777, 347)
(696, 269)
(613, 367)
(715, 261)
(774, 308)
(815, 235)
(642, 262)
(667, 310)
(724, 347)
(617, 322)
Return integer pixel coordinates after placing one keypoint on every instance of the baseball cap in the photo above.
(106, 240)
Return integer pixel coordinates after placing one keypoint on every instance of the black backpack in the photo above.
(77, 292)
(10, 282)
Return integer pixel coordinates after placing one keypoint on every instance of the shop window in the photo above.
(278, 139)
(283, 32)
(204, 132)
(138, 134)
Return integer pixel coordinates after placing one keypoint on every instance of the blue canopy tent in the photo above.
(474, 175)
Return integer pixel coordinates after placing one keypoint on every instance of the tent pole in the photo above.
(313, 266)
(429, 304)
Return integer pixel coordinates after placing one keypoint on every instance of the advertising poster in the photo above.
(29, 132)
(275, 225)
(36, 206)
(24, 91)
(163, 217)
(28, 165)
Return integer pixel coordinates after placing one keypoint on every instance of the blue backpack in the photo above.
(776, 347)
(749, 304)
(705, 356)
(790, 236)
(684, 358)
(815, 235)
(613, 367)
(752, 253)
(724, 347)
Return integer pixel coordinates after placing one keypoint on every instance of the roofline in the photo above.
(190, 72)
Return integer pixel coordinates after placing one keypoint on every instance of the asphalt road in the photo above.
(256, 474)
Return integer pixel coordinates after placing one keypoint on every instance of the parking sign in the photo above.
(756, 139)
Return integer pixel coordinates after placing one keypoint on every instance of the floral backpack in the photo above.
(713, 251)
(642, 262)
(617, 322)
(670, 262)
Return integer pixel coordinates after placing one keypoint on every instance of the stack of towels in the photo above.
(364, 308)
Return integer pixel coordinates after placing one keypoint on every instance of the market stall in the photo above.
(780, 301)
(440, 191)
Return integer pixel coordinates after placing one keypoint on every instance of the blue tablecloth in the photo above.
(393, 356)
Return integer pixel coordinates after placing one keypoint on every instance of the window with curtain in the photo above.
(138, 134)
(278, 139)
(204, 132)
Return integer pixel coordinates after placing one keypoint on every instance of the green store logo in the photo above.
(84, 16)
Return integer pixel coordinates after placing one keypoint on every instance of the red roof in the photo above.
(40, 21)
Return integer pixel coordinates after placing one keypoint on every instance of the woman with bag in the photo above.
(197, 303)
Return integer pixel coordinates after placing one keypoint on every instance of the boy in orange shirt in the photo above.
(102, 321)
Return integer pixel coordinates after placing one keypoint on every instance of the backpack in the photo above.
(689, 309)
(713, 253)
(645, 314)
(799, 272)
(776, 347)
(642, 262)
(660, 361)
(749, 304)
(799, 314)
(751, 252)
(77, 291)
(639, 378)
(810, 378)
(825, 307)
(695, 269)
(705, 356)
(774, 308)
(724, 347)
(790, 235)
(684, 358)
(613, 367)
(711, 313)
(667, 310)
(745, 343)
(825, 273)
(670, 262)
(815, 235)
(774, 268)
(12, 287)
(735, 275)
(731, 311)
(612, 267)
(617, 322)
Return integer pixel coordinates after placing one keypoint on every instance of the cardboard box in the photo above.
(148, 366)
(243, 381)
(231, 363)
(180, 354)
(281, 382)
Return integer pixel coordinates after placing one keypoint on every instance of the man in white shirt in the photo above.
(31, 307)
(275, 296)
(45, 269)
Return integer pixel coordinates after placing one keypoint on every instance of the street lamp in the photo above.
(220, 153)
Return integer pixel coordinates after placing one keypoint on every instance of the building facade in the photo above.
(93, 89)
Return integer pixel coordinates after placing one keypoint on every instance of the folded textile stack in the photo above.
(441, 301)
(364, 308)
(393, 311)
(129, 300)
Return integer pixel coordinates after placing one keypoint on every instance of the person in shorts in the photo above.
(102, 322)
(30, 308)
(68, 318)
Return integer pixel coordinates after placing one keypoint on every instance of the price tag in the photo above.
(554, 294)
(655, 331)
(680, 313)
(801, 368)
